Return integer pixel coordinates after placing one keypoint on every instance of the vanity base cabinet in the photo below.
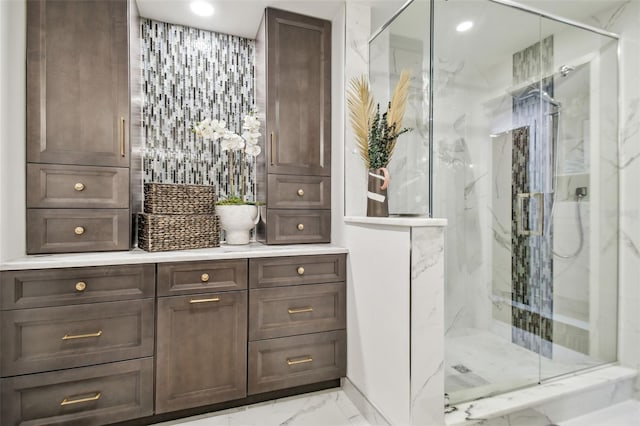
(201, 350)
(141, 344)
(297, 321)
(77, 345)
(86, 396)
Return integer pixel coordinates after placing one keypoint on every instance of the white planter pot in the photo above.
(237, 221)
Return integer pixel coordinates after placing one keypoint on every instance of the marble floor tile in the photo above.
(624, 414)
(323, 408)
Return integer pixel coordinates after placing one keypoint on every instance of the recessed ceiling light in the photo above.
(464, 26)
(201, 8)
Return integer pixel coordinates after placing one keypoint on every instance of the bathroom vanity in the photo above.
(93, 344)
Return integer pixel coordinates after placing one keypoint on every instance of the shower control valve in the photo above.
(581, 191)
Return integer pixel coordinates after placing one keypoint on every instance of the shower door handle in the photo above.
(522, 222)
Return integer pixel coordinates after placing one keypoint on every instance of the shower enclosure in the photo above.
(515, 142)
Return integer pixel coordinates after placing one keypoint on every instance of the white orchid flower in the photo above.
(251, 137)
(251, 123)
(253, 150)
(231, 141)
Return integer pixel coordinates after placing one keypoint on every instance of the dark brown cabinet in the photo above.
(293, 87)
(78, 119)
(297, 321)
(201, 344)
(77, 85)
(77, 345)
(99, 345)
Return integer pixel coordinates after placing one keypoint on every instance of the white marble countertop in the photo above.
(403, 221)
(139, 256)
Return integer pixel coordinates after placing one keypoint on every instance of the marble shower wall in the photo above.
(189, 75)
(624, 20)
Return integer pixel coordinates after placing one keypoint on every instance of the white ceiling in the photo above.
(242, 17)
(237, 17)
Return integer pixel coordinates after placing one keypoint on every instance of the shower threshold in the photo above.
(560, 398)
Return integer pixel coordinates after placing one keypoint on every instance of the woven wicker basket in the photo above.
(159, 232)
(169, 198)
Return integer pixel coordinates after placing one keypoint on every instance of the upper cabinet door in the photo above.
(298, 94)
(77, 82)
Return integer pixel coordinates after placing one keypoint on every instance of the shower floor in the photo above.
(479, 363)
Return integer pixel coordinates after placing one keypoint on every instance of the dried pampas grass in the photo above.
(362, 113)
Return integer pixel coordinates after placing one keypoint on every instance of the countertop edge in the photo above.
(400, 221)
(137, 256)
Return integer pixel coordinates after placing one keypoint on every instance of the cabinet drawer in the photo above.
(95, 395)
(62, 186)
(71, 286)
(294, 361)
(199, 277)
(299, 192)
(286, 311)
(298, 226)
(42, 339)
(294, 270)
(81, 230)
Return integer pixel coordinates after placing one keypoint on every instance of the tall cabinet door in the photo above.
(298, 94)
(201, 350)
(77, 82)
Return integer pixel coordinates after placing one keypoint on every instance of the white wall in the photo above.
(12, 128)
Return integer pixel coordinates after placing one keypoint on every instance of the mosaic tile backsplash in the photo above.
(188, 75)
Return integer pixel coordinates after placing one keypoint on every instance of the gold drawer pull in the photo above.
(300, 192)
(299, 360)
(81, 286)
(300, 310)
(79, 230)
(300, 270)
(79, 186)
(300, 227)
(82, 336)
(213, 299)
(68, 401)
(204, 278)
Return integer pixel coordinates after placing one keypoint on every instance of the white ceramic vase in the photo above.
(237, 221)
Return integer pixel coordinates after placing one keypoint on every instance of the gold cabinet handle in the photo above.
(79, 230)
(300, 227)
(300, 270)
(300, 192)
(300, 310)
(273, 148)
(79, 186)
(204, 278)
(82, 336)
(68, 401)
(302, 360)
(122, 135)
(81, 286)
(213, 299)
